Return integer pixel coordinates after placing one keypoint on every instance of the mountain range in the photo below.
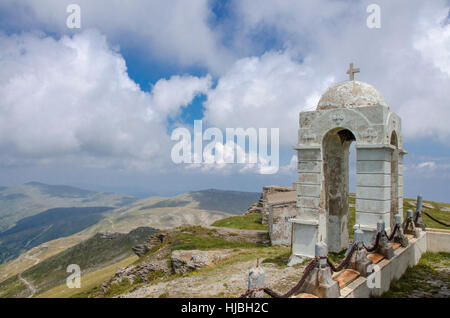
(32, 198)
(42, 221)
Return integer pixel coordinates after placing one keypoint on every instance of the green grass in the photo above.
(189, 238)
(89, 282)
(336, 258)
(280, 260)
(417, 278)
(198, 238)
(351, 221)
(436, 212)
(250, 221)
(91, 255)
(13, 287)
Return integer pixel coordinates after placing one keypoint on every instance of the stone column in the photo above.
(373, 188)
(309, 181)
(402, 153)
(305, 225)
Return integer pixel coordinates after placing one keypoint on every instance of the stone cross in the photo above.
(351, 72)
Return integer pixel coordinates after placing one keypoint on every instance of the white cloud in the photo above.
(434, 44)
(427, 165)
(176, 32)
(168, 95)
(265, 92)
(407, 60)
(72, 100)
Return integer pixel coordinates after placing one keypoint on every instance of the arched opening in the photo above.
(394, 177)
(336, 144)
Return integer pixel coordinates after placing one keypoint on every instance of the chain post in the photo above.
(418, 221)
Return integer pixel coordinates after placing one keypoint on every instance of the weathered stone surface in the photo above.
(264, 201)
(279, 226)
(319, 281)
(141, 249)
(256, 281)
(351, 94)
(349, 111)
(187, 261)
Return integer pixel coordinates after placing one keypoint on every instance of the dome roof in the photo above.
(351, 94)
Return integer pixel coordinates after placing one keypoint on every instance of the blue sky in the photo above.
(95, 106)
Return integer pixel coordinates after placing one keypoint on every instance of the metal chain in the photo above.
(408, 221)
(436, 220)
(391, 237)
(345, 262)
(293, 290)
(375, 245)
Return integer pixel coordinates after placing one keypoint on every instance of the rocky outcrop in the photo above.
(187, 261)
(141, 249)
(256, 207)
(158, 263)
(157, 258)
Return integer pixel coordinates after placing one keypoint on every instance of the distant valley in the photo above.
(41, 235)
(46, 226)
(32, 198)
(96, 252)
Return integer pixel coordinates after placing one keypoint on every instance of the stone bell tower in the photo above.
(350, 111)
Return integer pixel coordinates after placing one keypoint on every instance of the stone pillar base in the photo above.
(361, 263)
(384, 248)
(321, 284)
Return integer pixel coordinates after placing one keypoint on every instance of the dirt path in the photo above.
(29, 286)
(32, 258)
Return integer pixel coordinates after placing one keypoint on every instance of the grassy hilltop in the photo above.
(224, 279)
